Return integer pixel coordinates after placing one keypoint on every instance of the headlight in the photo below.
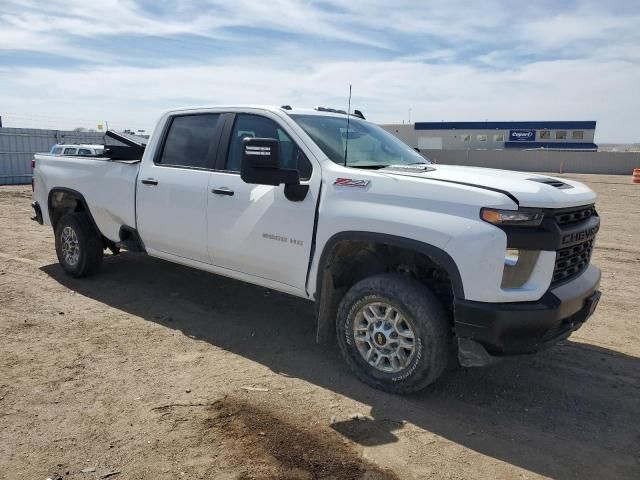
(512, 217)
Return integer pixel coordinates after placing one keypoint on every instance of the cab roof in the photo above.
(319, 110)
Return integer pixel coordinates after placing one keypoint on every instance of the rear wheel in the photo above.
(394, 333)
(78, 245)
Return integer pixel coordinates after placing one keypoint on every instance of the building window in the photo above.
(466, 138)
(561, 135)
(482, 138)
(545, 134)
(498, 137)
(577, 135)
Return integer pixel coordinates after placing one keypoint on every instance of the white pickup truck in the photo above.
(408, 262)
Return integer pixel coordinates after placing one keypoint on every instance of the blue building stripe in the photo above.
(534, 125)
(553, 145)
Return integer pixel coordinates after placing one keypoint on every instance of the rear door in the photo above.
(255, 229)
(172, 188)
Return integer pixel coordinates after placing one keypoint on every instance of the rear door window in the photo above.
(191, 141)
(84, 151)
(255, 126)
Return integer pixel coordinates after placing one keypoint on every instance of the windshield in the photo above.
(369, 146)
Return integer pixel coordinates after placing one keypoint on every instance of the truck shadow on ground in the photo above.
(570, 412)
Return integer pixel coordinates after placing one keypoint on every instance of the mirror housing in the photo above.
(260, 163)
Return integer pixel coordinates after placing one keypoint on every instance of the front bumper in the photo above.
(527, 327)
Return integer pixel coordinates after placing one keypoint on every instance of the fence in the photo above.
(17, 146)
(552, 161)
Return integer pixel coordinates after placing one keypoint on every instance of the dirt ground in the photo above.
(150, 370)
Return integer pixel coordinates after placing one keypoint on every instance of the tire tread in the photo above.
(91, 250)
(426, 310)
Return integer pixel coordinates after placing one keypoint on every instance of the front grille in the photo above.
(572, 261)
(567, 217)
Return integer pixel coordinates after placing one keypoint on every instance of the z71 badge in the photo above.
(352, 182)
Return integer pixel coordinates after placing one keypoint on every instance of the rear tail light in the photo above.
(33, 163)
(33, 166)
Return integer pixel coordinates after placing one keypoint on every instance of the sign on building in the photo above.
(522, 135)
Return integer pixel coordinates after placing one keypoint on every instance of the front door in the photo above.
(255, 229)
(172, 191)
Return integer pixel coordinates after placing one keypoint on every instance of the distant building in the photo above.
(570, 135)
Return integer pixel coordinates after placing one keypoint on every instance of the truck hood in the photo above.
(526, 189)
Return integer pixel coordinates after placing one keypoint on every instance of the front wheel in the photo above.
(78, 245)
(393, 333)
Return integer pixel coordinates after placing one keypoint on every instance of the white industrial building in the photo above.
(552, 135)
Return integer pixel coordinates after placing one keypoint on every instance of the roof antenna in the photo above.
(346, 143)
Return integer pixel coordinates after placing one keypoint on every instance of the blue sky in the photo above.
(74, 63)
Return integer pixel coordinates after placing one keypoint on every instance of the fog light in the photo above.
(518, 267)
(511, 256)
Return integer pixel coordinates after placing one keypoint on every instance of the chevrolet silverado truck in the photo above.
(413, 266)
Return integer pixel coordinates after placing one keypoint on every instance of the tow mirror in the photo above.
(260, 163)
(261, 152)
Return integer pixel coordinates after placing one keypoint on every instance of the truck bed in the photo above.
(107, 185)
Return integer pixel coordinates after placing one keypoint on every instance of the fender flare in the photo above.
(325, 309)
(76, 194)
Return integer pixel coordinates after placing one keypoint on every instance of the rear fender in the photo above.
(63, 200)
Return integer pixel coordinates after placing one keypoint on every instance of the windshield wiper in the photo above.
(369, 167)
(379, 167)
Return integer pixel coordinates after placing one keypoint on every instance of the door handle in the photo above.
(149, 181)
(223, 191)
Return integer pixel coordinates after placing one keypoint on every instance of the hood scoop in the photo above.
(552, 182)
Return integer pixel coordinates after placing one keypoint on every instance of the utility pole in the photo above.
(409, 122)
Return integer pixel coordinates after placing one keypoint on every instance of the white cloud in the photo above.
(448, 61)
(133, 97)
(113, 17)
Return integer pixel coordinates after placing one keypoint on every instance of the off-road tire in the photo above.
(89, 245)
(431, 327)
